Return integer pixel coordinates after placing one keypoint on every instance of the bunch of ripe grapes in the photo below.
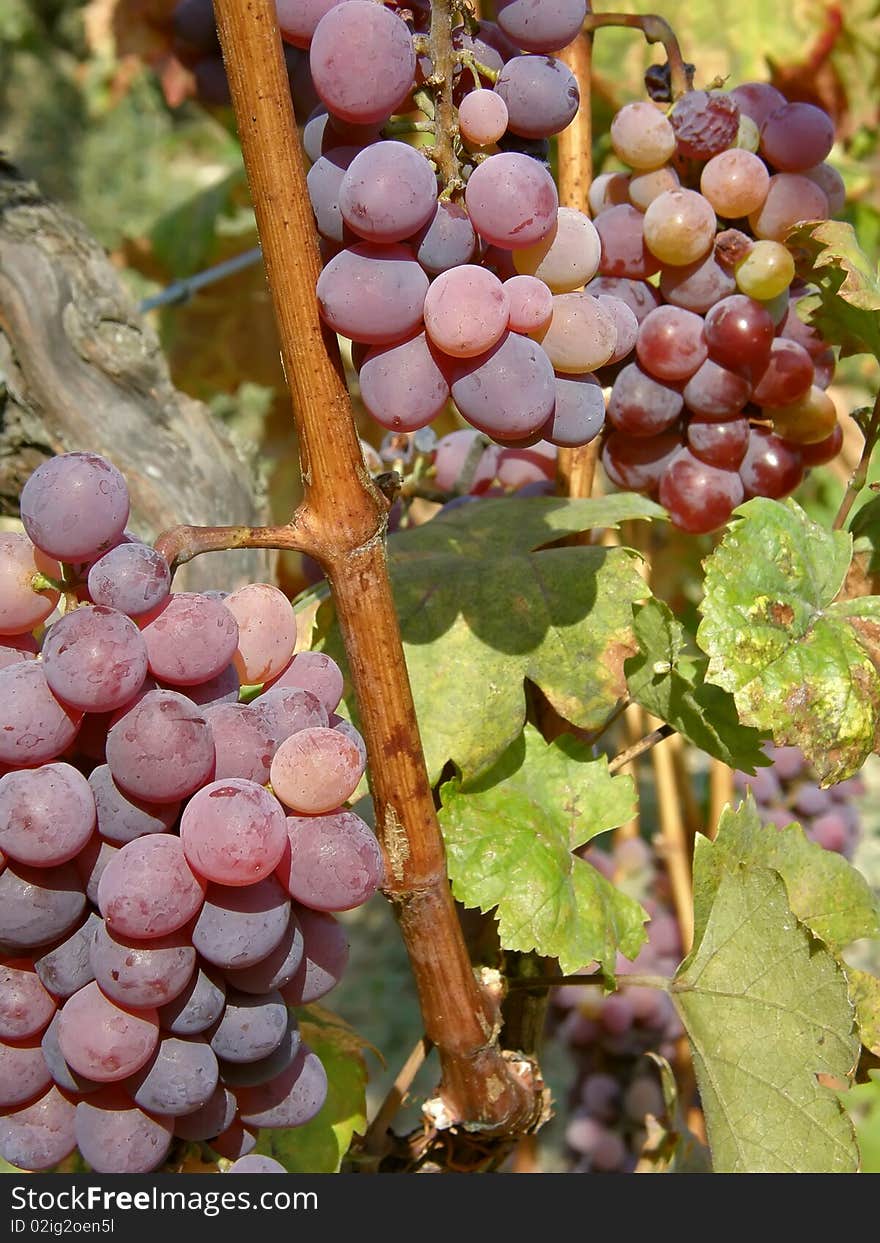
(171, 852)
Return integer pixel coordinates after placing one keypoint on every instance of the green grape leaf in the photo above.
(846, 307)
(482, 608)
(766, 1011)
(864, 992)
(825, 892)
(798, 665)
(866, 526)
(318, 1146)
(510, 837)
(674, 690)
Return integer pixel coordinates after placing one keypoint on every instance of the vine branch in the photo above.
(656, 30)
(639, 748)
(860, 475)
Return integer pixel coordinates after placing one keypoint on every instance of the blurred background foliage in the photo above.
(95, 106)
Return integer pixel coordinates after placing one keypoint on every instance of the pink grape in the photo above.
(568, 257)
(403, 385)
(520, 466)
(771, 467)
(40, 1134)
(334, 862)
(162, 749)
(91, 862)
(642, 136)
(720, 443)
(297, 19)
(697, 286)
(796, 137)
(133, 578)
(373, 293)
(65, 968)
(639, 296)
(95, 658)
(648, 186)
(250, 1027)
(74, 506)
(324, 182)
(787, 376)
(115, 1136)
(699, 497)
(22, 607)
(23, 1072)
(466, 311)
(17, 647)
(141, 975)
(482, 117)
(47, 814)
(233, 832)
(324, 957)
(790, 198)
(388, 192)
(103, 1041)
(739, 333)
(679, 227)
(608, 190)
(531, 303)
(244, 741)
(447, 240)
(180, 1077)
(121, 817)
(288, 709)
(38, 905)
(638, 464)
(581, 335)
(255, 1164)
(191, 639)
(705, 123)
(541, 94)
(626, 326)
(34, 726)
(277, 969)
(452, 454)
(240, 925)
(315, 770)
(512, 200)
(379, 76)
(641, 405)
(735, 182)
(714, 392)
(829, 180)
(624, 252)
(196, 1007)
(148, 889)
(671, 345)
(291, 1099)
(25, 1006)
(541, 25)
(314, 672)
(216, 1115)
(266, 631)
(757, 100)
(579, 413)
(509, 391)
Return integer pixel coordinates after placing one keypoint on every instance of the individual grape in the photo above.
(316, 770)
(244, 742)
(624, 252)
(236, 1141)
(387, 192)
(266, 631)
(511, 200)
(808, 422)
(286, 710)
(567, 258)
(641, 405)
(133, 578)
(796, 136)
(94, 659)
(812, 801)
(211, 1119)
(530, 301)
(482, 117)
(640, 297)
(720, 443)
(196, 1008)
(373, 293)
(581, 335)
(452, 455)
(541, 94)
(141, 975)
(830, 182)
(34, 726)
(120, 817)
(222, 689)
(648, 186)
(735, 182)
(22, 606)
(716, 393)
(256, 1164)
(251, 1027)
(75, 506)
(379, 44)
(324, 182)
(91, 862)
(323, 133)
(25, 1006)
(63, 1075)
(671, 345)
(66, 968)
(103, 1041)
(579, 413)
(191, 639)
(821, 451)
(626, 326)
(297, 19)
(325, 957)
(770, 467)
(17, 647)
(115, 1136)
(447, 240)
(466, 311)
(509, 391)
(766, 272)
(790, 199)
(787, 377)
(600, 1095)
(334, 862)
(642, 136)
(748, 137)
(831, 832)
(179, 1078)
(699, 497)
(275, 970)
(23, 1072)
(291, 1099)
(46, 814)
(705, 123)
(824, 367)
(162, 750)
(239, 926)
(697, 286)
(233, 832)
(608, 190)
(39, 1135)
(519, 466)
(148, 889)
(757, 100)
(38, 905)
(679, 227)
(739, 333)
(541, 25)
(314, 672)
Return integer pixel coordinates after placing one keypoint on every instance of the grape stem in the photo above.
(860, 475)
(443, 60)
(640, 747)
(656, 30)
(342, 523)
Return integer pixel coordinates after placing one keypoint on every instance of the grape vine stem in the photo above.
(342, 520)
(860, 474)
(656, 30)
(640, 747)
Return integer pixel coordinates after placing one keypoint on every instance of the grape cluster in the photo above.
(789, 791)
(725, 398)
(171, 856)
(615, 1085)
